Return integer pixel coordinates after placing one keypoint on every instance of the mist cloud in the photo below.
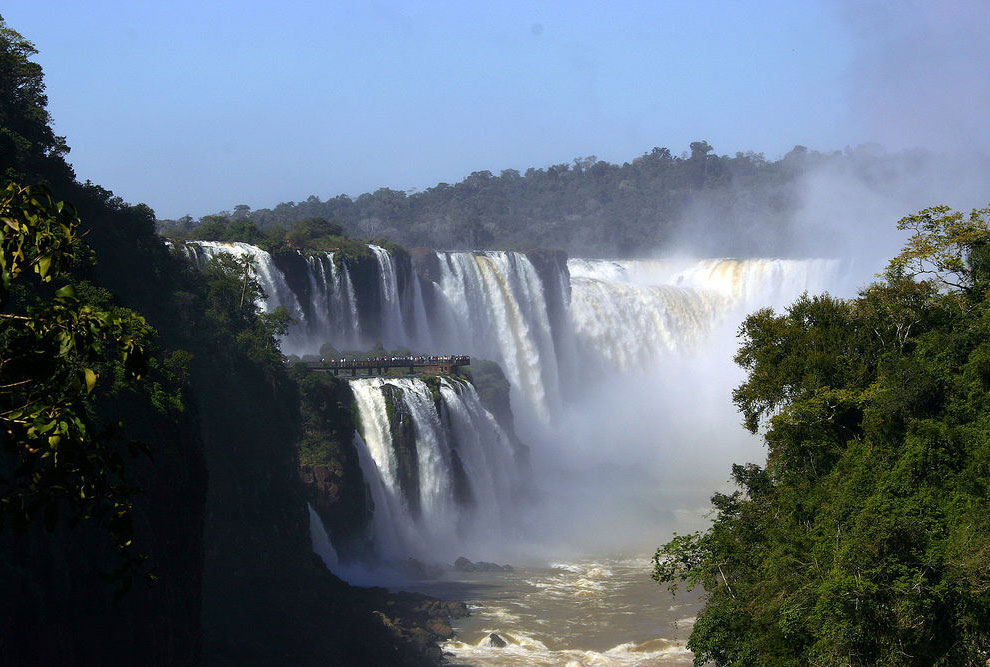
(919, 73)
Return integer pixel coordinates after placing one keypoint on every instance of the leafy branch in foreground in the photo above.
(55, 352)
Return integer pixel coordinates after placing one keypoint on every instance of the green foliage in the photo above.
(309, 235)
(327, 414)
(36, 232)
(54, 350)
(222, 228)
(864, 540)
(232, 313)
(492, 386)
(724, 204)
(312, 232)
(26, 137)
(433, 383)
(943, 245)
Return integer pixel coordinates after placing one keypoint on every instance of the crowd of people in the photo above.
(408, 360)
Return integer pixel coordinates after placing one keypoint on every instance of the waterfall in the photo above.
(631, 313)
(622, 326)
(329, 313)
(619, 374)
(464, 471)
(350, 321)
(617, 315)
(332, 304)
(324, 294)
(393, 324)
(272, 281)
(320, 540)
(494, 307)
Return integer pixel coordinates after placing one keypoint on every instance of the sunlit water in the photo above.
(604, 611)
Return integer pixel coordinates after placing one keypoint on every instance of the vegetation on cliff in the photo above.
(865, 538)
(328, 461)
(309, 235)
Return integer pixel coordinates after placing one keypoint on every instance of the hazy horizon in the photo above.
(198, 108)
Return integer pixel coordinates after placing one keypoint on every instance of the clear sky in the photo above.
(193, 107)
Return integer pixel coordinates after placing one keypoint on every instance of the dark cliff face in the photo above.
(294, 267)
(220, 513)
(329, 469)
(425, 264)
(404, 445)
(551, 266)
(364, 271)
(266, 598)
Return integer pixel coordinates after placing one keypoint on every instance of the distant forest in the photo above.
(741, 205)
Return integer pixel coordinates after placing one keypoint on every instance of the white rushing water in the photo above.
(333, 308)
(622, 314)
(328, 314)
(630, 313)
(320, 540)
(461, 473)
(276, 290)
(494, 307)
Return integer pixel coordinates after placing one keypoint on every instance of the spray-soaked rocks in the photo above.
(416, 618)
(462, 564)
(495, 641)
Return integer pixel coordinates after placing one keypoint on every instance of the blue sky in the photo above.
(193, 107)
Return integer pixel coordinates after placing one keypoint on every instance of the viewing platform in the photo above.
(444, 365)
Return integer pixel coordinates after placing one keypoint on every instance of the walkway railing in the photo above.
(381, 365)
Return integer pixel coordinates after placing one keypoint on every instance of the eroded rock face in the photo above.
(426, 264)
(462, 564)
(404, 445)
(328, 463)
(416, 619)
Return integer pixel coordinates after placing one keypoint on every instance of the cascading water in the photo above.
(333, 307)
(442, 482)
(630, 313)
(273, 283)
(320, 540)
(329, 313)
(619, 314)
(392, 323)
(493, 306)
(643, 349)
(487, 304)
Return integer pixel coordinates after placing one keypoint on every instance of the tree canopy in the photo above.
(723, 204)
(865, 537)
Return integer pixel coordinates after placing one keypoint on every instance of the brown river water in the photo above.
(572, 613)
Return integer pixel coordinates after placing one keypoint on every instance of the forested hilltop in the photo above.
(740, 205)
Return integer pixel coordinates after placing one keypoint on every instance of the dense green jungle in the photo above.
(741, 205)
(152, 514)
(865, 538)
